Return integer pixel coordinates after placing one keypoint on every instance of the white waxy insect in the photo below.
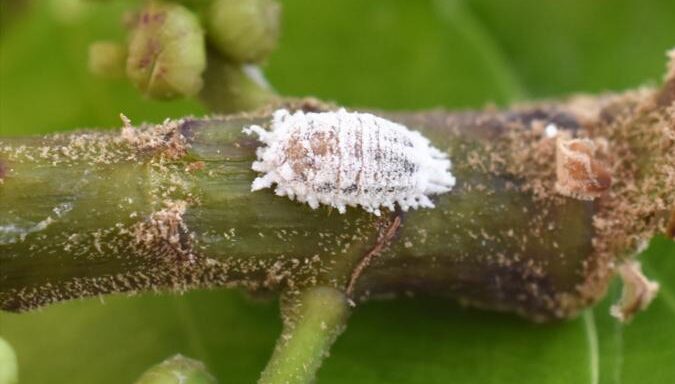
(347, 159)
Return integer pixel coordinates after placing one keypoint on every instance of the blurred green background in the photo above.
(399, 54)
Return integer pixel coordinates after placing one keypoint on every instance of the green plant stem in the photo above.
(313, 320)
(229, 87)
(170, 208)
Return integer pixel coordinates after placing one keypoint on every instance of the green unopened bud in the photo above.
(9, 371)
(107, 59)
(167, 54)
(232, 87)
(245, 31)
(177, 370)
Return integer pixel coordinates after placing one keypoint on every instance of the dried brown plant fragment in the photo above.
(638, 291)
(670, 231)
(166, 137)
(166, 231)
(579, 174)
(3, 171)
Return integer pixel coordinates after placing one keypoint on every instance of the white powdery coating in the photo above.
(345, 159)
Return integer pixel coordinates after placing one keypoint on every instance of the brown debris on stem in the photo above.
(579, 174)
(641, 135)
(670, 232)
(638, 291)
(166, 137)
(3, 171)
(382, 242)
(166, 232)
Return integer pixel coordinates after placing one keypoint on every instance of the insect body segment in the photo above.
(345, 159)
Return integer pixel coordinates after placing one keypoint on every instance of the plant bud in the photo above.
(245, 31)
(167, 54)
(177, 370)
(107, 59)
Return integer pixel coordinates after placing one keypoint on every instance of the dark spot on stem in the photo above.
(670, 231)
(187, 129)
(3, 170)
(184, 244)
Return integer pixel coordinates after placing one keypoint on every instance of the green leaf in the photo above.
(388, 54)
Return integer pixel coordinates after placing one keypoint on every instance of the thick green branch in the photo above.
(170, 207)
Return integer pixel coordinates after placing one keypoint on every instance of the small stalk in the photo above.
(231, 87)
(313, 319)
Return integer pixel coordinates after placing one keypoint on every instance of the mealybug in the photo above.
(344, 158)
